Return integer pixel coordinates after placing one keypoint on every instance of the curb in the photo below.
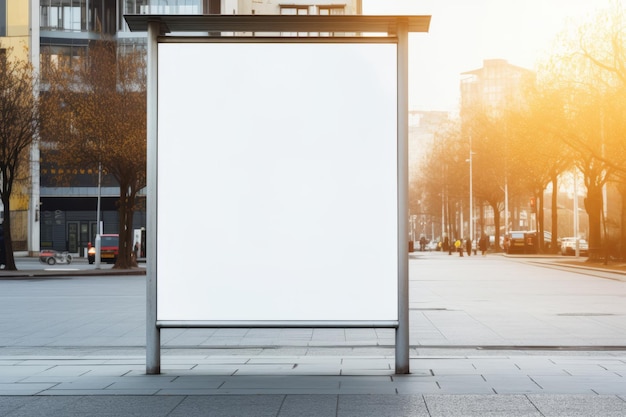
(25, 274)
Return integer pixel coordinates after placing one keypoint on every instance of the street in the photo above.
(475, 301)
(78, 264)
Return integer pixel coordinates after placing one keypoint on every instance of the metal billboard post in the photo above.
(402, 331)
(153, 333)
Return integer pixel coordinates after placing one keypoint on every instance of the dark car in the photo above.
(520, 242)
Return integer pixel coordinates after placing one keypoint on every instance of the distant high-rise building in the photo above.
(494, 87)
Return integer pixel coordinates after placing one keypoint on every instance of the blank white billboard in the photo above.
(277, 182)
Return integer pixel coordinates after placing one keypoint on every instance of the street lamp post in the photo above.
(575, 203)
(98, 241)
(471, 194)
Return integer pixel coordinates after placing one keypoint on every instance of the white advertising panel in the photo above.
(277, 182)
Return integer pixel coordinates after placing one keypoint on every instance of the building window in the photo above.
(67, 15)
(294, 8)
(52, 56)
(172, 7)
(130, 7)
(331, 9)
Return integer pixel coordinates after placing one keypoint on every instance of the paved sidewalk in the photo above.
(482, 384)
(335, 376)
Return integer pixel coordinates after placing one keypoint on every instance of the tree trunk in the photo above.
(622, 241)
(539, 219)
(125, 210)
(8, 241)
(593, 206)
(555, 219)
(496, 223)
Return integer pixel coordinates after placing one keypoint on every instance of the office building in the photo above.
(67, 27)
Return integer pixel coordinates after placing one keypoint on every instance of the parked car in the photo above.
(432, 245)
(520, 242)
(568, 246)
(109, 248)
(52, 257)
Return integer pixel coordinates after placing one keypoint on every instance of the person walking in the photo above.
(468, 246)
(482, 245)
(91, 253)
(459, 246)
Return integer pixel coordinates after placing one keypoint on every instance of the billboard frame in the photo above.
(396, 28)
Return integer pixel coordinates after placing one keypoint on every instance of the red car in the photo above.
(109, 248)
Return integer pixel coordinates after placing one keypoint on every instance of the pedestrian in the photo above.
(459, 246)
(136, 250)
(482, 245)
(91, 253)
(468, 246)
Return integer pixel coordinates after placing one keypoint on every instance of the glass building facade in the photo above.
(3, 18)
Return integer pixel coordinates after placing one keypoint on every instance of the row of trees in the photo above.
(86, 112)
(572, 116)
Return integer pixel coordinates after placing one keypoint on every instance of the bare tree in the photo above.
(539, 156)
(19, 123)
(442, 182)
(589, 71)
(95, 114)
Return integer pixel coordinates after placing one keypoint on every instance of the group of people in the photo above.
(466, 246)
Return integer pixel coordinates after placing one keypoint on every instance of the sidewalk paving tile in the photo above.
(229, 406)
(382, 406)
(309, 406)
(579, 405)
(24, 388)
(480, 406)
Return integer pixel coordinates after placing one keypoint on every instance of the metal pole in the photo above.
(506, 206)
(153, 333)
(577, 247)
(402, 332)
(34, 234)
(98, 241)
(461, 222)
(471, 202)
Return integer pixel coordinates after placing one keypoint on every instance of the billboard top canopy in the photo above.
(278, 23)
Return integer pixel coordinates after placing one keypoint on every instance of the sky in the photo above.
(463, 33)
